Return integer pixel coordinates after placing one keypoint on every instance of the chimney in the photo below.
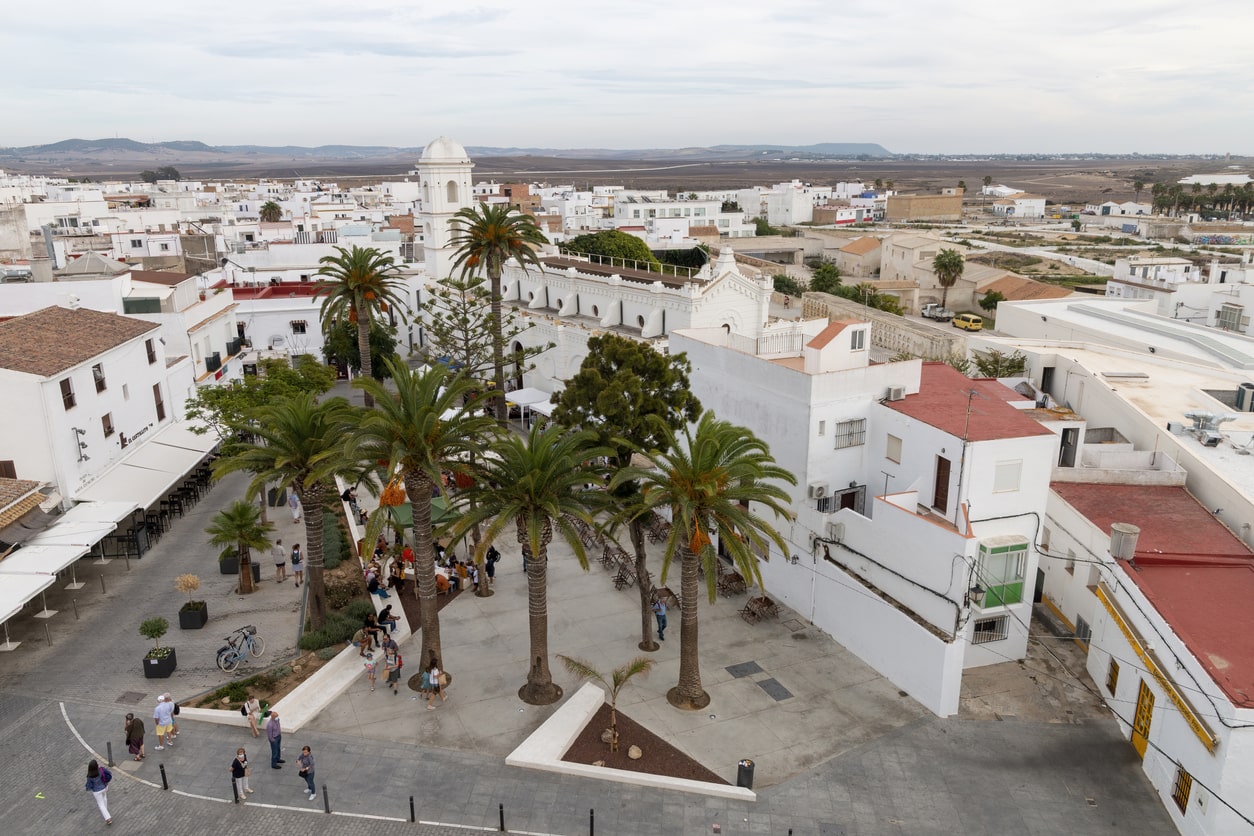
(1123, 537)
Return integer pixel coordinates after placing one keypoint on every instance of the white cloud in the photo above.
(974, 76)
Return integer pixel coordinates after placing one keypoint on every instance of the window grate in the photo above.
(851, 433)
(990, 630)
(1112, 676)
(1182, 788)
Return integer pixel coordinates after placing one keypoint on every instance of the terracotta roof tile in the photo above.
(12, 490)
(51, 340)
(861, 246)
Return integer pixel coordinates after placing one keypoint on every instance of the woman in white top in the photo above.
(253, 706)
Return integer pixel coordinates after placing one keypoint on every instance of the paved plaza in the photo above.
(838, 749)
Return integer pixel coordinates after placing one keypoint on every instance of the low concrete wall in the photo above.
(544, 749)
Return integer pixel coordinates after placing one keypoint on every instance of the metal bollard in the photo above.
(501, 808)
(326, 800)
(102, 586)
(234, 789)
(109, 750)
(592, 822)
(74, 601)
(47, 634)
(165, 785)
(412, 818)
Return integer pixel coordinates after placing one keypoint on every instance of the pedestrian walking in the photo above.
(369, 665)
(306, 762)
(298, 564)
(293, 502)
(490, 564)
(98, 778)
(135, 737)
(392, 664)
(252, 710)
(280, 561)
(174, 717)
(659, 611)
(274, 734)
(240, 773)
(433, 683)
(162, 717)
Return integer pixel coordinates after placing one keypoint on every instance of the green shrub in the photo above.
(359, 609)
(339, 628)
(326, 654)
(340, 594)
(334, 543)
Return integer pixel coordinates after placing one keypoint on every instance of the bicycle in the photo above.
(241, 644)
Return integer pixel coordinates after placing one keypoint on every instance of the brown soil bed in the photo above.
(409, 603)
(660, 757)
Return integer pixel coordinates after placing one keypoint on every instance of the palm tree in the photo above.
(1138, 186)
(271, 212)
(239, 525)
(487, 236)
(357, 284)
(408, 428)
(614, 684)
(708, 483)
(300, 446)
(539, 484)
(948, 266)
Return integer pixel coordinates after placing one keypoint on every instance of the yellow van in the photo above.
(968, 322)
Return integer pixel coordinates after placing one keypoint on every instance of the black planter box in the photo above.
(160, 668)
(229, 565)
(190, 619)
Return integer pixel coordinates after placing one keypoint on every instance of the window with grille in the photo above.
(299, 326)
(1083, 632)
(1112, 676)
(850, 433)
(1181, 789)
(67, 394)
(990, 630)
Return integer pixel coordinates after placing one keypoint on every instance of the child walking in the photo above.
(370, 666)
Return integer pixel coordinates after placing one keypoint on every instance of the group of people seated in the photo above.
(455, 574)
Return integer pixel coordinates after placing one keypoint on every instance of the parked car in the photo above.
(968, 322)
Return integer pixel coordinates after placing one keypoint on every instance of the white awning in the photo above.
(17, 590)
(98, 512)
(144, 485)
(526, 397)
(151, 468)
(39, 560)
(157, 456)
(180, 435)
(545, 409)
(81, 533)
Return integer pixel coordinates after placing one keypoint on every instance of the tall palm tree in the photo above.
(1138, 186)
(422, 424)
(271, 212)
(300, 445)
(487, 236)
(240, 525)
(709, 482)
(538, 483)
(358, 284)
(948, 266)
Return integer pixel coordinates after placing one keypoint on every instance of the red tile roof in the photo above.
(829, 333)
(169, 279)
(1196, 573)
(944, 399)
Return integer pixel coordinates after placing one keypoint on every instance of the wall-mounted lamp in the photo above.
(977, 595)
(80, 432)
(795, 560)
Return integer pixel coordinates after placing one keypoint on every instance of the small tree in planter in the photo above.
(239, 525)
(194, 614)
(159, 662)
(617, 680)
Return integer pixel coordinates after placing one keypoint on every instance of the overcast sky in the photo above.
(912, 75)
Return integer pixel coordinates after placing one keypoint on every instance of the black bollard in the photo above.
(74, 601)
(412, 818)
(102, 586)
(326, 801)
(234, 789)
(592, 822)
(165, 785)
(501, 808)
(109, 749)
(744, 774)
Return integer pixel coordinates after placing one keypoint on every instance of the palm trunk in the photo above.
(363, 348)
(636, 530)
(245, 571)
(312, 497)
(418, 486)
(498, 346)
(540, 688)
(688, 694)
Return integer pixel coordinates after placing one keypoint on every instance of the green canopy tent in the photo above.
(402, 515)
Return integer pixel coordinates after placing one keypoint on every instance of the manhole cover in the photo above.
(130, 697)
(776, 691)
(744, 669)
(793, 625)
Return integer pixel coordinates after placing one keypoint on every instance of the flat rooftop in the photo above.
(1191, 567)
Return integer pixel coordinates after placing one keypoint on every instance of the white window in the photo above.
(1006, 476)
(299, 326)
(857, 339)
(851, 433)
(165, 248)
(893, 452)
(822, 428)
(137, 244)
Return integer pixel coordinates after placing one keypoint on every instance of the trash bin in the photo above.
(256, 571)
(277, 497)
(744, 774)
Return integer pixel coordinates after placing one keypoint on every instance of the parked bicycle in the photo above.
(241, 644)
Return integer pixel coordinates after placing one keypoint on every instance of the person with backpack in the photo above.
(298, 563)
(98, 778)
(392, 663)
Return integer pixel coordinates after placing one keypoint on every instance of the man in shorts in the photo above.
(162, 716)
(392, 664)
(280, 561)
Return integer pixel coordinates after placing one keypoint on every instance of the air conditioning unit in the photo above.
(836, 531)
(1245, 397)
(896, 393)
(818, 490)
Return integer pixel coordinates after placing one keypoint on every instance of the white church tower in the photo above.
(444, 172)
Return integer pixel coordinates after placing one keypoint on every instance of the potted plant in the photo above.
(159, 662)
(238, 528)
(228, 561)
(194, 614)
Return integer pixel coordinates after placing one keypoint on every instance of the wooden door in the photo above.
(940, 490)
(1141, 720)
